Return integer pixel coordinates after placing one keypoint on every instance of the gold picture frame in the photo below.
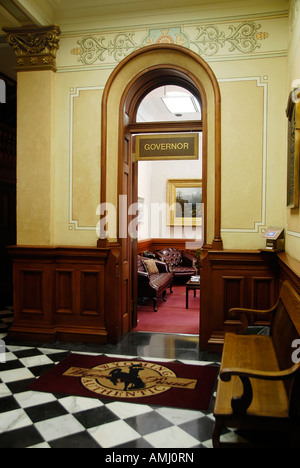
(184, 197)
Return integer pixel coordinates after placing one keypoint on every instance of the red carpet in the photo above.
(131, 380)
(172, 316)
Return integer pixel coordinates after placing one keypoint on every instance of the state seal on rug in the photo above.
(130, 379)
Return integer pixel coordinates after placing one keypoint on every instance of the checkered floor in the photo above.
(45, 420)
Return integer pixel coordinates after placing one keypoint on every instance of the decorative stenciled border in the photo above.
(208, 41)
(214, 41)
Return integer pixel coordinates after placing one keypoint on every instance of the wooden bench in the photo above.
(259, 384)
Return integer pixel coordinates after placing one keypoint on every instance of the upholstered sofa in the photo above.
(153, 279)
(180, 263)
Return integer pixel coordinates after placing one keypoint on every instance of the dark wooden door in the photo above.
(7, 189)
(134, 244)
(125, 201)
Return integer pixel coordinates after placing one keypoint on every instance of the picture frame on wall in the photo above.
(184, 202)
(293, 156)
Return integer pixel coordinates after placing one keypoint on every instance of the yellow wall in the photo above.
(59, 146)
(253, 151)
(35, 158)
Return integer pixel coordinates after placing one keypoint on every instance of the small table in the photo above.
(194, 285)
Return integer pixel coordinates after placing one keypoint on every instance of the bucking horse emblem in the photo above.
(131, 379)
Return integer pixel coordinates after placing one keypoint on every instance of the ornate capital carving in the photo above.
(35, 47)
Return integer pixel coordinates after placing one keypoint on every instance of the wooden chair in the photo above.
(259, 384)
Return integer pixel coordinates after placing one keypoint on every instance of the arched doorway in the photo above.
(133, 78)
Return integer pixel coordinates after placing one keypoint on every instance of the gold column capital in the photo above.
(35, 47)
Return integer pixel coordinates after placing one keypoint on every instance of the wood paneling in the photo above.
(289, 269)
(91, 292)
(32, 285)
(64, 291)
(75, 293)
(233, 294)
(233, 279)
(157, 244)
(61, 293)
(263, 295)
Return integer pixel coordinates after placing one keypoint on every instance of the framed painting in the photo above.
(184, 202)
(293, 174)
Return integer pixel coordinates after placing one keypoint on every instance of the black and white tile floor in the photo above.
(43, 420)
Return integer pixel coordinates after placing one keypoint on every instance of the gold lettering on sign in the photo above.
(166, 146)
(177, 146)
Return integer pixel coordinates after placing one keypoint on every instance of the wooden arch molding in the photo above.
(148, 78)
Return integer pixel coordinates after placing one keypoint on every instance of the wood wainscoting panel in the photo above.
(33, 304)
(32, 291)
(233, 279)
(92, 293)
(62, 293)
(233, 294)
(263, 297)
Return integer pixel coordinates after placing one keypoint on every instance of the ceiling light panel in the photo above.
(180, 104)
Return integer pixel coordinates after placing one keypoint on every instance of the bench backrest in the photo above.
(284, 330)
(286, 325)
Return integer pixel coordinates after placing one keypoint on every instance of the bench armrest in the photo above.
(243, 315)
(241, 404)
(226, 374)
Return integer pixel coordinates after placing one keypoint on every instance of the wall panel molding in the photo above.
(261, 82)
(77, 224)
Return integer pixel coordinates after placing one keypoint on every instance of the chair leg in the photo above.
(217, 430)
(171, 290)
(154, 304)
(164, 296)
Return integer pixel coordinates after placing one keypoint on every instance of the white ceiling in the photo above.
(14, 13)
